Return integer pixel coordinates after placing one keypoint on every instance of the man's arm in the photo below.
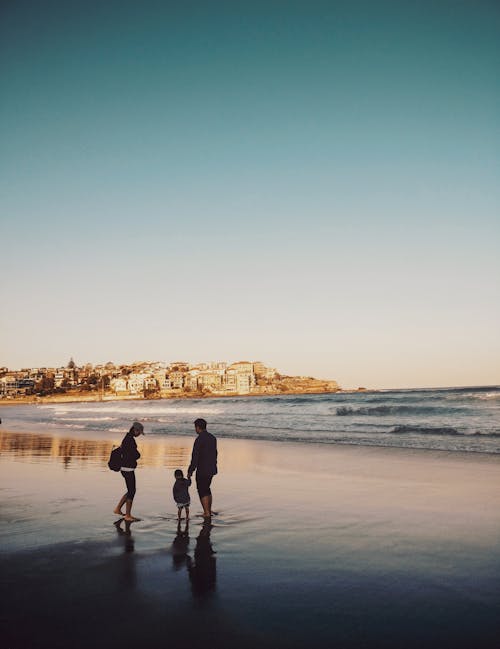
(194, 457)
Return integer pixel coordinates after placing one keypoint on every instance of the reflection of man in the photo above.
(203, 572)
(204, 462)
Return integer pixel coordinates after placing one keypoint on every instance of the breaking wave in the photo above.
(382, 411)
(425, 430)
(437, 430)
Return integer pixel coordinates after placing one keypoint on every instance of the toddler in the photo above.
(181, 493)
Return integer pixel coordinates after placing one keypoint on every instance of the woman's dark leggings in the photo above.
(130, 482)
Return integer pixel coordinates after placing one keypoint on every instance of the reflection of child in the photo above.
(180, 555)
(181, 493)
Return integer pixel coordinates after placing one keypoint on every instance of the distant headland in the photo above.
(152, 380)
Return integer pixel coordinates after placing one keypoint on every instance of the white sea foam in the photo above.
(144, 409)
(82, 419)
(78, 426)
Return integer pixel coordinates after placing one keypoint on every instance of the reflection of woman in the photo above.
(126, 534)
(130, 455)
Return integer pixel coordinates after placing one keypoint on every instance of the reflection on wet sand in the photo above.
(203, 570)
(37, 447)
(127, 563)
(180, 546)
(123, 528)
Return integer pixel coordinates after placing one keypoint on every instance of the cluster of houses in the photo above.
(141, 379)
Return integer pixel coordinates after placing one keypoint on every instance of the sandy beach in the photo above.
(312, 545)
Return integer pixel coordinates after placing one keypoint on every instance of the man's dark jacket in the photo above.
(204, 457)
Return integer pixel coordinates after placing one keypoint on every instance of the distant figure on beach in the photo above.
(181, 493)
(130, 455)
(204, 462)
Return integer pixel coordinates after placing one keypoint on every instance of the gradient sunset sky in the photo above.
(311, 184)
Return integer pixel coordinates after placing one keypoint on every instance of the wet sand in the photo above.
(313, 545)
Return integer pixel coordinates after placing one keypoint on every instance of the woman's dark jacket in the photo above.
(130, 454)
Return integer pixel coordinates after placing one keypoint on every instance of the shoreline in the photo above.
(155, 439)
(85, 397)
(80, 398)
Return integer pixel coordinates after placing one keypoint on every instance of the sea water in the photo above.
(449, 419)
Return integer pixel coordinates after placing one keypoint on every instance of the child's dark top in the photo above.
(180, 490)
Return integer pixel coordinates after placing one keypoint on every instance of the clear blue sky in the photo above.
(311, 184)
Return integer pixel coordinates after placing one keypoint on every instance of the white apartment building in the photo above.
(118, 385)
(150, 383)
(259, 368)
(243, 383)
(211, 380)
(135, 383)
(162, 380)
(191, 380)
(240, 377)
(218, 365)
(230, 381)
(8, 384)
(176, 380)
(242, 367)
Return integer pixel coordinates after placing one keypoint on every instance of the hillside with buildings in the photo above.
(153, 380)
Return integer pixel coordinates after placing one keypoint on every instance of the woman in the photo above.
(130, 455)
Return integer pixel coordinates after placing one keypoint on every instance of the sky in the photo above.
(310, 184)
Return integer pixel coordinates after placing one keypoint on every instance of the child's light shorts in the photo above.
(181, 505)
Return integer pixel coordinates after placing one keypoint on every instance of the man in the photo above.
(204, 462)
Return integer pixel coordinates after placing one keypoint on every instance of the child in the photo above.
(181, 493)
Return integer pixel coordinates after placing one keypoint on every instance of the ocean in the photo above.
(448, 419)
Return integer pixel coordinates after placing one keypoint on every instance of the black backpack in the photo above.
(115, 459)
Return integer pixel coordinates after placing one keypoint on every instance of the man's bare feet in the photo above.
(118, 512)
(130, 519)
